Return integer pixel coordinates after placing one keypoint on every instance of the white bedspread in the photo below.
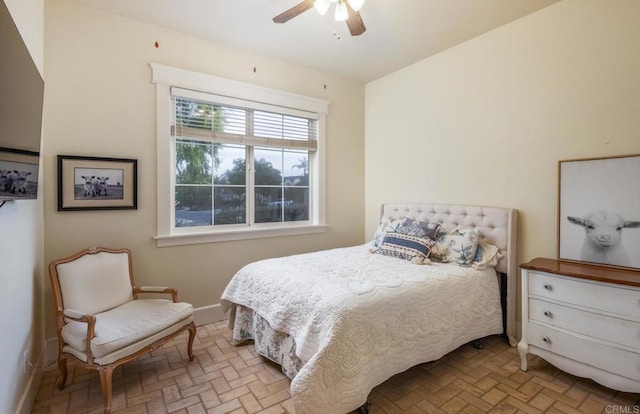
(359, 318)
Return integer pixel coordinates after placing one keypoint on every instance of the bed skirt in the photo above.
(279, 347)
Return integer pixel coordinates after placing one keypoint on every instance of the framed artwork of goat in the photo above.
(95, 183)
(599, 211)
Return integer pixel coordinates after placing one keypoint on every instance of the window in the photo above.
(235, 166)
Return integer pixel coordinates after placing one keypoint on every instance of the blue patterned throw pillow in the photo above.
(418, 228)
(407, 247)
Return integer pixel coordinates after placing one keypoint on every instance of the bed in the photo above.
(342, 321)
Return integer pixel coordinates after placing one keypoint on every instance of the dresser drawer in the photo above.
(606, 328)
(593, 295)
(605, 357)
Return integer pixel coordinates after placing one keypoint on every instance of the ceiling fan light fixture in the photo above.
(322, 6)
(356, 4)
(342, 13)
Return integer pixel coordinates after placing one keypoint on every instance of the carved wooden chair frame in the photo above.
(105, 371)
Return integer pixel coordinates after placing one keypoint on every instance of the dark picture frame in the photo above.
(97, 183)
(19, 170)
(599, 211)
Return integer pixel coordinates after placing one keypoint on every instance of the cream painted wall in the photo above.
(100, 102)
(21, 257)
(486, 122)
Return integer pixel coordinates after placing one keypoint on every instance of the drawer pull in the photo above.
(546, 339)
(548, 314)
(547, 286)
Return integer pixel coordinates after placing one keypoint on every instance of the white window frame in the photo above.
(166, 77)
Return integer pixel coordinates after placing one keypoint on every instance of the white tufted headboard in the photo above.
(499, 226)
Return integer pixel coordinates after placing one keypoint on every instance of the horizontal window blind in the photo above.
(228, 120)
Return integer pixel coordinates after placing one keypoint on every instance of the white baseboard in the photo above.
(201, 316)
(208, 314)
(31, 389)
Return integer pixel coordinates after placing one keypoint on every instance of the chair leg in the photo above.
(192, 335)
(106, 376)
(62, 367)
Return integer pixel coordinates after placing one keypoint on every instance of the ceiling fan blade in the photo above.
(294, 11)
(354, 22)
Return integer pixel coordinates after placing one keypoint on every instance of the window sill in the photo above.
(235, 234)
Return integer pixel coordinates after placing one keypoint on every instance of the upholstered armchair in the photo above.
(102, 321)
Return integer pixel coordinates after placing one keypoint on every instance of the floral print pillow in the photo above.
(459, 247)
(384, 226)
(418, 228)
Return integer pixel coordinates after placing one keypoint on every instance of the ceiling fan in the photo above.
(346, 10)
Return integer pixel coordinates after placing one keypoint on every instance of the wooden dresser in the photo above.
(583, 319)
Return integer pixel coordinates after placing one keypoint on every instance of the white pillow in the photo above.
(487, 255)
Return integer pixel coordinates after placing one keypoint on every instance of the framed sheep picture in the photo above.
(599, 211)
(95, 183)
(18, 174)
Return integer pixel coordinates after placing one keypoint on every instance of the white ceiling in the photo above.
(399, 32)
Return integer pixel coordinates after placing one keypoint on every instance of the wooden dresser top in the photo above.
(585, 271)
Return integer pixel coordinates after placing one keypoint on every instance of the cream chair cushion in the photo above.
(129, 324)
(96, 282)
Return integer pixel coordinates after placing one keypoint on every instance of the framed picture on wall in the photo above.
(599, 211)
(18, 174)
(95, 183)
